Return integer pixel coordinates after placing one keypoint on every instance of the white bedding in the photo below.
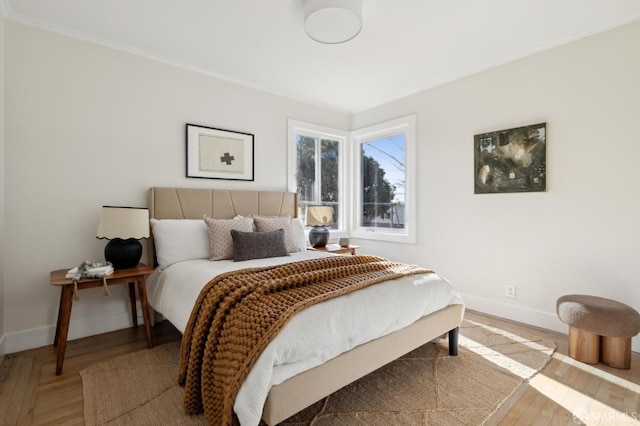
(315, 334)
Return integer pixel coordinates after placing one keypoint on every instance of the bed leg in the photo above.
(453, 342)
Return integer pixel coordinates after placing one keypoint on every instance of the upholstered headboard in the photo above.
(194, 203)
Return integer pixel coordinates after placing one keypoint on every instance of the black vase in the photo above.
(123, 254)
(318, 236)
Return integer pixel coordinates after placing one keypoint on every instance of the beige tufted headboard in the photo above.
(194, 203)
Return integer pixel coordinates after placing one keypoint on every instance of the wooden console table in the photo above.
(131, 277)
(336, 249)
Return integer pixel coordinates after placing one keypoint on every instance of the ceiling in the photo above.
(405, 45)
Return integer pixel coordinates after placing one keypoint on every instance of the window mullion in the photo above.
(318, 183)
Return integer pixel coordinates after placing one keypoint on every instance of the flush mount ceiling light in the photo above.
(332, 21)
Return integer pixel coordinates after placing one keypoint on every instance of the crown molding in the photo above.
(47, 26)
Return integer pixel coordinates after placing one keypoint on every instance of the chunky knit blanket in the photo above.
(238, 313)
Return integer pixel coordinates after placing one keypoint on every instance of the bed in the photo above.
(291, 387)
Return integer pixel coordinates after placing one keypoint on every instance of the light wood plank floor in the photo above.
(564, 393)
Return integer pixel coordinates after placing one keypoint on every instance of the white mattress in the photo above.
(315, 334)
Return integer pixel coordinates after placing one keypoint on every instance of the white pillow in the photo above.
(297, 231)
(179, 239)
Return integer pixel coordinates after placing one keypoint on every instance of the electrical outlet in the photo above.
(510, 291)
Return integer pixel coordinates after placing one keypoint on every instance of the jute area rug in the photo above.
(426, 386)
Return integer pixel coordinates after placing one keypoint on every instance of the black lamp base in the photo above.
(318, 236)
(123, 254)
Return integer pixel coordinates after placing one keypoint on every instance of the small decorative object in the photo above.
(319, 218)
(89, 269)
(512, 160)
(219, 154)
(123, 226)
(343, 242)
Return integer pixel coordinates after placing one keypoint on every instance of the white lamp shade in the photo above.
(332, 21)
(319, 216)
(123, 222)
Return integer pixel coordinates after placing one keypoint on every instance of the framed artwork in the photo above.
(512, 160)
(219, 154)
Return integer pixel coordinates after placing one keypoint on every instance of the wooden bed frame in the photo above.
(298, 392)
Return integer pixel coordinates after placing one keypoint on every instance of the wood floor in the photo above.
(564, 393)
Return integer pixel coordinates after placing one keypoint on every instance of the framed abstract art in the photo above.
(511, 160)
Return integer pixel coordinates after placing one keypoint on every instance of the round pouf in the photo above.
(600, 330)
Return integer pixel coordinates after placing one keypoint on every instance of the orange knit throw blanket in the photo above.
(237, 314)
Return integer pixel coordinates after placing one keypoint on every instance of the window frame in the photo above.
(406, 126)
(295, 128)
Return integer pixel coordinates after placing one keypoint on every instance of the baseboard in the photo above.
(79, 327)
(542, 319)
(89, 326)
(3, 349)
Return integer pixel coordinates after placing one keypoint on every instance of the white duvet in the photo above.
(312, 336)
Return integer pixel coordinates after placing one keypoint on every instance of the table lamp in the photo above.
(123, 226)
(318, 218)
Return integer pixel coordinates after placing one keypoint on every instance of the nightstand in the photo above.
(336, 249)
(131, 277)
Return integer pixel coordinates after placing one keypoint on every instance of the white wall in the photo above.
(88, 126)
(583, 234)
(2, 157)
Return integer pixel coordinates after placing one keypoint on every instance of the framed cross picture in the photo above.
(219, 154)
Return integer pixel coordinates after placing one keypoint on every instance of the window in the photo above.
(370, 185)
(317, 161)
(384, 181)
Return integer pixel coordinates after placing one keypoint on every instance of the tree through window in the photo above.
(384, 181)
(383, 178)
(317, 170)
(318, 174)
(371, 185)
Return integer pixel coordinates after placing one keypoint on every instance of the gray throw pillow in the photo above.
(258, 245)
